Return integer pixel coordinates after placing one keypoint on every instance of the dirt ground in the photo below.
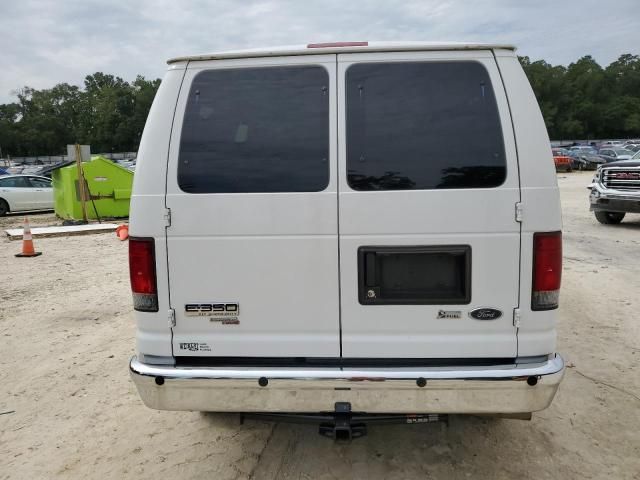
(69, 410)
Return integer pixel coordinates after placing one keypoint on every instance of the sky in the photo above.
(44, 42)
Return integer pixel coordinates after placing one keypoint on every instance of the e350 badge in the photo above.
(224, 312)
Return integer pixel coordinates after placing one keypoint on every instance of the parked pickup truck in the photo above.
(347, 230)
(615, 191)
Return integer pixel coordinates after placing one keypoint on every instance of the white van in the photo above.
(364, 226)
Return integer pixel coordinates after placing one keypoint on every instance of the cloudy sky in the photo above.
(47, 42)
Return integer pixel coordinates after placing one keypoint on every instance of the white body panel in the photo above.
(153, 333)
(18, 198)
(540, 199)
(43, 197)
(290, 259)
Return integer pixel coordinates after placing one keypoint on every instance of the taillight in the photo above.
(547, 270)
(142, 271)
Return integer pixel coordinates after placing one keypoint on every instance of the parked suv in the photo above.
(615, 191)
(354, 227)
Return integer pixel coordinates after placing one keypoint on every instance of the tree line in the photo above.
(108, 114)
(586, 101)
(581, 101)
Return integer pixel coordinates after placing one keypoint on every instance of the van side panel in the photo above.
(153, 335)
(540, 199)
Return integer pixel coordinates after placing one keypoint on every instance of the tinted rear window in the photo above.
(422, 126)
(256, 130)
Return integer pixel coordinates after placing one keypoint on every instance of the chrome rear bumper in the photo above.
(516, 388)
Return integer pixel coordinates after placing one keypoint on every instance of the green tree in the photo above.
(9, 132)
(586, 101)
(108, 105)
(109, 114)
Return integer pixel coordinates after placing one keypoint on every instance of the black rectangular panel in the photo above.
(422, 126)
(328, 362)
(256, 130)
(415, 275)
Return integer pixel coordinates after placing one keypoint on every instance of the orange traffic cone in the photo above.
(122, 232)
(27, 242)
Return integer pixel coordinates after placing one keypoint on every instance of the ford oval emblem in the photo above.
(485, 314)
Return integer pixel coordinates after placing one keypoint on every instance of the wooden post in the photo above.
(81, 184)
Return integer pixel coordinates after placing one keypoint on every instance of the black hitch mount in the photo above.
(342, 429)
(343, 425)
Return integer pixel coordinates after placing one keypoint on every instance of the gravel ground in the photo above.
(69, 410)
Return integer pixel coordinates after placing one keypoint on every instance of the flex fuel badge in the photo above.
(227, 313)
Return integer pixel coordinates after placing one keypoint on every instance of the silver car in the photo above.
(615, 154)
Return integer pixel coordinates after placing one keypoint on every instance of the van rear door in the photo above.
(429, 242)
(252, 192)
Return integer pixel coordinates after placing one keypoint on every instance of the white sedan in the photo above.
(25, 192)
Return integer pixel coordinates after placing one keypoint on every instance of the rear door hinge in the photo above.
(516, 317)
(171, 315)
(167, 217)
(518, 211)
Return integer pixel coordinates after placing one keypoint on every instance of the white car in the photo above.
(353, 227)
(20, 193)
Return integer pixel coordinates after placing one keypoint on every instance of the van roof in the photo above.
(341, 47)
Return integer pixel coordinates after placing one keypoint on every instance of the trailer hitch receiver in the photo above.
(342, 429)
(344, 425)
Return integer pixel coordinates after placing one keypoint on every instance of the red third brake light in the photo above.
(142, 271)
(547, 270)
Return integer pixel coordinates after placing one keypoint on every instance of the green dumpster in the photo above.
(109, 188)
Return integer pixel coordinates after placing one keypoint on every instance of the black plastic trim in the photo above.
(367, 280)
(321, 362)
